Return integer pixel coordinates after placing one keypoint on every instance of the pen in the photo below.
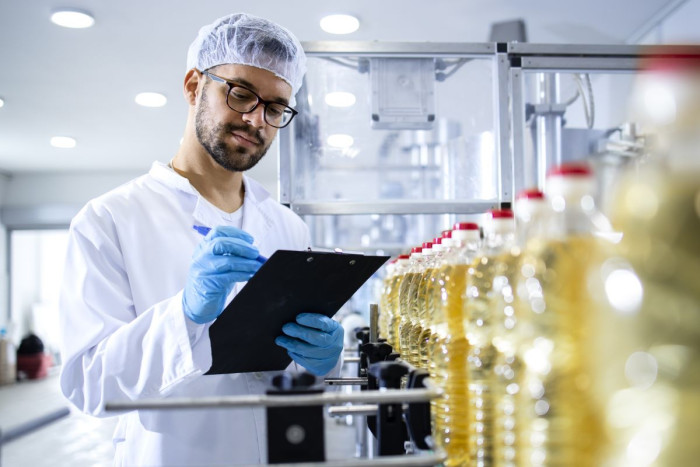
(205, 230)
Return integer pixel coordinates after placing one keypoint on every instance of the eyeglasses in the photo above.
(242, 100)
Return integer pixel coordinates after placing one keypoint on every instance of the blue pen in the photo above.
(205, 230)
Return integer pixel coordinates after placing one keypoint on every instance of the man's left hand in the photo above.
(314, 342)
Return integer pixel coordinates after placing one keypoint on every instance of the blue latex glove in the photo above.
(225, 256)
(315, 342)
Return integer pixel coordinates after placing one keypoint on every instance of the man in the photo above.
(142, 286)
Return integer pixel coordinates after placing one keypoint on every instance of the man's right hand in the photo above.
(225, 256)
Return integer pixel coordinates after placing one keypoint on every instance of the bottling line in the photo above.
(441, 133)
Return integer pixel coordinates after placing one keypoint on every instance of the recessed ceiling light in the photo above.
(76, 19)
(340, 24)
(340, 99)
(151, 99)
(340, 141)
(63, 142)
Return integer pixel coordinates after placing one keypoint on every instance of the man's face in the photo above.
(237, 141)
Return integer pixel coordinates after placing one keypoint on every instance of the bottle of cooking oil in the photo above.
(557, 423)
(383, 321)
(392, 301)
(407, 299)
(530, 208)
(651, 332)
(426, 300)
(650, 328)
(449, 352)
(419, 304)
(448, 246)
(499, 236)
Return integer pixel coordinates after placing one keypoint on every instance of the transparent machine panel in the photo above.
(371, 131)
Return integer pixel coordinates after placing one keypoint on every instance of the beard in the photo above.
(215, 138)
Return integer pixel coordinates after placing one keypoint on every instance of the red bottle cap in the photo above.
(427, 245)
(571, 169)
(501, 213)
(437, 240)
(466, 226)
(404, 256)
(417, 249)
(532, 193)
(446, 234)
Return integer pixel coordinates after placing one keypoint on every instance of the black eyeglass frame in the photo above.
(262, 101)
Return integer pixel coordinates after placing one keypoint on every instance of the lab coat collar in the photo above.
(256, 221)
(169, 177)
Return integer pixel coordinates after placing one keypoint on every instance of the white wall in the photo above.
(4, 279)
(680, 27)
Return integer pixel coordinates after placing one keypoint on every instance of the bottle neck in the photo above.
(468, 243)
(496, 240)
(531, 219)
(573, 208)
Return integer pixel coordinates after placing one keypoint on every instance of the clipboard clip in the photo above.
(334, 250)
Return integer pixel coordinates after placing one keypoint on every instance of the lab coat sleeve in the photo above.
(110, 352)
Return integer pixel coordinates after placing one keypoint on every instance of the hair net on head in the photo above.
(248, 40)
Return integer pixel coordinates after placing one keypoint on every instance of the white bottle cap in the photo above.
(500, 221)
(528, 204)
(466, 232)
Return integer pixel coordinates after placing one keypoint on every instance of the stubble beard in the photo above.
(215, 140)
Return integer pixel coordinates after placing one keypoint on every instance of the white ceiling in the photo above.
(82, 83)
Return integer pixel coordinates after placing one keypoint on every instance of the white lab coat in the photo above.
(125, 336)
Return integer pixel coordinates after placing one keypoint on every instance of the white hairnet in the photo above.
(244, 39)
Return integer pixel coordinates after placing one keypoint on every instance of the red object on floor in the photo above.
(33, 366)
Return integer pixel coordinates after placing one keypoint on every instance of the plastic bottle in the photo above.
(407, 298)
(449, 354)
(648, 364)
(530, 211)
(427, 299)
(434, 315)
(557, 423)
(392, 301)
(499, 236)
(420, 303)
(384, 312)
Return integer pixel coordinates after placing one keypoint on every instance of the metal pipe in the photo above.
(346, 381)
(351, 359)
(384, 461)
(380, 397)
(33, 425)
(548, 126)
(343, 410)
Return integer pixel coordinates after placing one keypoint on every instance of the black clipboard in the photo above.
(290, 282)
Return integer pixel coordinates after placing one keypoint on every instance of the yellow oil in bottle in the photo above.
(407, 299)
(557, 423)
(420, 329)
(478, 324)
(650, 322)
(427, 336)
(393, 311)
(507, 365)
(449, 363)
(384, 309)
